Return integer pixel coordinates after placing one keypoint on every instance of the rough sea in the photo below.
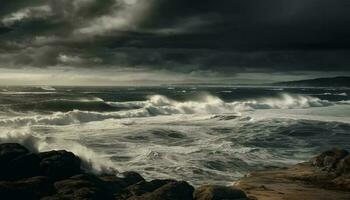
(198, 134)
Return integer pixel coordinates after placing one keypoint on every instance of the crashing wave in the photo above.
(71, 117)
(91, 160)
(48, 88)
(162, 105)
(214, 105)
(345, 102)
(24, 93)
(88, 104)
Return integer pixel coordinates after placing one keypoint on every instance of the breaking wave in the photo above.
(48, 88)
(91, 160)
(214, 105)
(162, 105)
(86, 104)
(71, 117)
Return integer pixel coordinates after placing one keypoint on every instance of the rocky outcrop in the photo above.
(173, 190)
(343, 167)
(332, 161)
(59, 164)
(326, 176)
(11, 156)
(83, 186)
(57, 175)
(29, 188)
(215, 192)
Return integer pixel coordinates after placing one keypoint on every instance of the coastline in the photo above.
(325, 177)
(301, 181)
(60, 174)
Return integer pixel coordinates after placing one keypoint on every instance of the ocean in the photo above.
(201, 134)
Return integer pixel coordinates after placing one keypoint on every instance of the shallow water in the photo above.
(202, 134)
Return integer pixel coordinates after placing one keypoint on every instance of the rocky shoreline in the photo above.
(325, 177)
(56, 175)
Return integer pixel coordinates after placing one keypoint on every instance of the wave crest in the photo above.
(214, 105)
(162, 105)
(92, 161)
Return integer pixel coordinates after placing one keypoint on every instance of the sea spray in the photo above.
(91, 160)
(162, 105)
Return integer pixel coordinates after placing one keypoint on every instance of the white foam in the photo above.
(48, 88)
(91, 160)
(342, 94)
(161, 105)
(344, 102)
(84, 100)
(71, 117)
(25, 93)
(214, 105)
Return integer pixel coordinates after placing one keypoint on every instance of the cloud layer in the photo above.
(179, 36)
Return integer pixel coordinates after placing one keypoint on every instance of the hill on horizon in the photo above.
(339, 81)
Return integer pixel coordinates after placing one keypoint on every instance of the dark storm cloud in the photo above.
(178, 35)
(257, 24)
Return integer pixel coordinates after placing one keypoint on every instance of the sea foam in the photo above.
(162, 105)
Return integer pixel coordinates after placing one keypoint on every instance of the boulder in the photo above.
(342, 183)
(132, 177)
(174, 190)
(328, 160)
(24, 166)
(10, 151)
(343, 167)
(215, 192)
(117, 184)
(16, 162)
(31, 188)
(79, 187)
(141, 188)
(59, 164)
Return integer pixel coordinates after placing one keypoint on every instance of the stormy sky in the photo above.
(145, 42)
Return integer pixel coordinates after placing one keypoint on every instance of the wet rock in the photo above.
(117, 184)
(83, 186)
(113, 183)
(24, 166)
(328, 160)
(343, 167)
(342, 183)
(174, 190)
(132, 177)
(16, 162)
(31, 188)
(142, 187)
(214, 192)
(59, 164)
(10, 151)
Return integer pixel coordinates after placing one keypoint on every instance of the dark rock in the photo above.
(83, 186)
(113, 183)
(328, 160)
(10, 151)
(59, 164)
(31, 188)
(117, 184)
(16, 163)
(24, 167)
(214, 192)
(174, 190)
(343, 167)
(131, 178)
(342, 183)
(142, 187)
